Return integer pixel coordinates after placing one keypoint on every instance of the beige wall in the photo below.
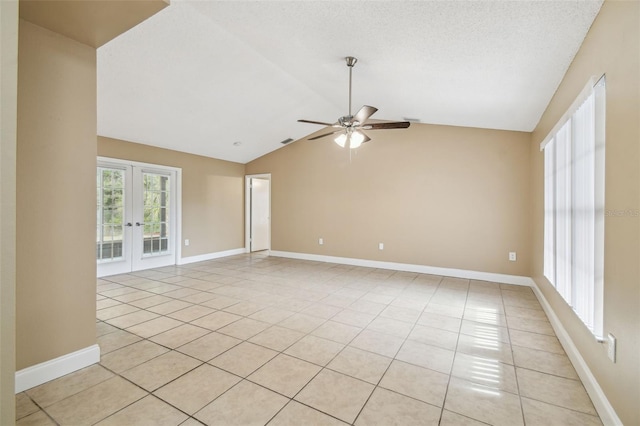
(212, 194)
(94, 22)
(612, 47)
(56, 158)
(8, 117)
(434, 195)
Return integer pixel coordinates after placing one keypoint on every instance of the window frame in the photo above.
(574, 195)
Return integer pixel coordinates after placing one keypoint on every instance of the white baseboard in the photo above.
(422, 269)
(58, 367)
(601, 403)
(210, 256)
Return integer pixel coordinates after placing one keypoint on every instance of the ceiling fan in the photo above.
(350, 127)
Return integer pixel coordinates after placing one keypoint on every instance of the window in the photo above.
(574, 205)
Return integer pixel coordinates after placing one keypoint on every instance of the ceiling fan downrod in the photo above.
(351, 61)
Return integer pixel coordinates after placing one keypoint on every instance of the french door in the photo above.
(136, 217)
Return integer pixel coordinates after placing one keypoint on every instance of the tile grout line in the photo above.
(396, 354)
(282, 287)
(455, 355)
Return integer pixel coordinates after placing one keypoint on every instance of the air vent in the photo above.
(411, 120)
(286, 141)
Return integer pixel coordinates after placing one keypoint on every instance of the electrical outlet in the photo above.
(186, 242)
(380, 246)
(611, 347)
(320, 241)
(512, 256)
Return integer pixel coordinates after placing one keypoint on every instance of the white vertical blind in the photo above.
(549, 211)
(600, 106)
(574, 207)
(583, 217)
(563, 210)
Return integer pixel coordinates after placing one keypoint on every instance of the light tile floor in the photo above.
(253, 340)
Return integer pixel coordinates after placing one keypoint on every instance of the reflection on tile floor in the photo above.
(254, 340)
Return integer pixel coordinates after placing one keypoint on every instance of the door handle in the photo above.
(128, 224)
(139, 223)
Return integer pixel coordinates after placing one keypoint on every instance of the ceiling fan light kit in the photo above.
(350, 127)
(354, 138)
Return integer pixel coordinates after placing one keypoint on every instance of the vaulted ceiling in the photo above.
(200, 76)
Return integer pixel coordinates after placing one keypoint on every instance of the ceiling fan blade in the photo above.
(392, 125)
(366, 138)
(315, 122)
(324, 134)
(365, 112)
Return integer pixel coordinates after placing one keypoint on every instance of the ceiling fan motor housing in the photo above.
(346, 121)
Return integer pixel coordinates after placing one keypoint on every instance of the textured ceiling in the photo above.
(201, 75)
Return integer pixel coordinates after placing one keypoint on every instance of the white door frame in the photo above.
(247, 209)
(178, 194)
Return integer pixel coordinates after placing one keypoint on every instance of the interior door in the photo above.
(260, 214)
(136, 218)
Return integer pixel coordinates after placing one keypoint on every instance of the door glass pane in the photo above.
(110, 205)
(156, 202)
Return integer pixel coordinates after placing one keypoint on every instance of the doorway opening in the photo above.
(258, 212)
